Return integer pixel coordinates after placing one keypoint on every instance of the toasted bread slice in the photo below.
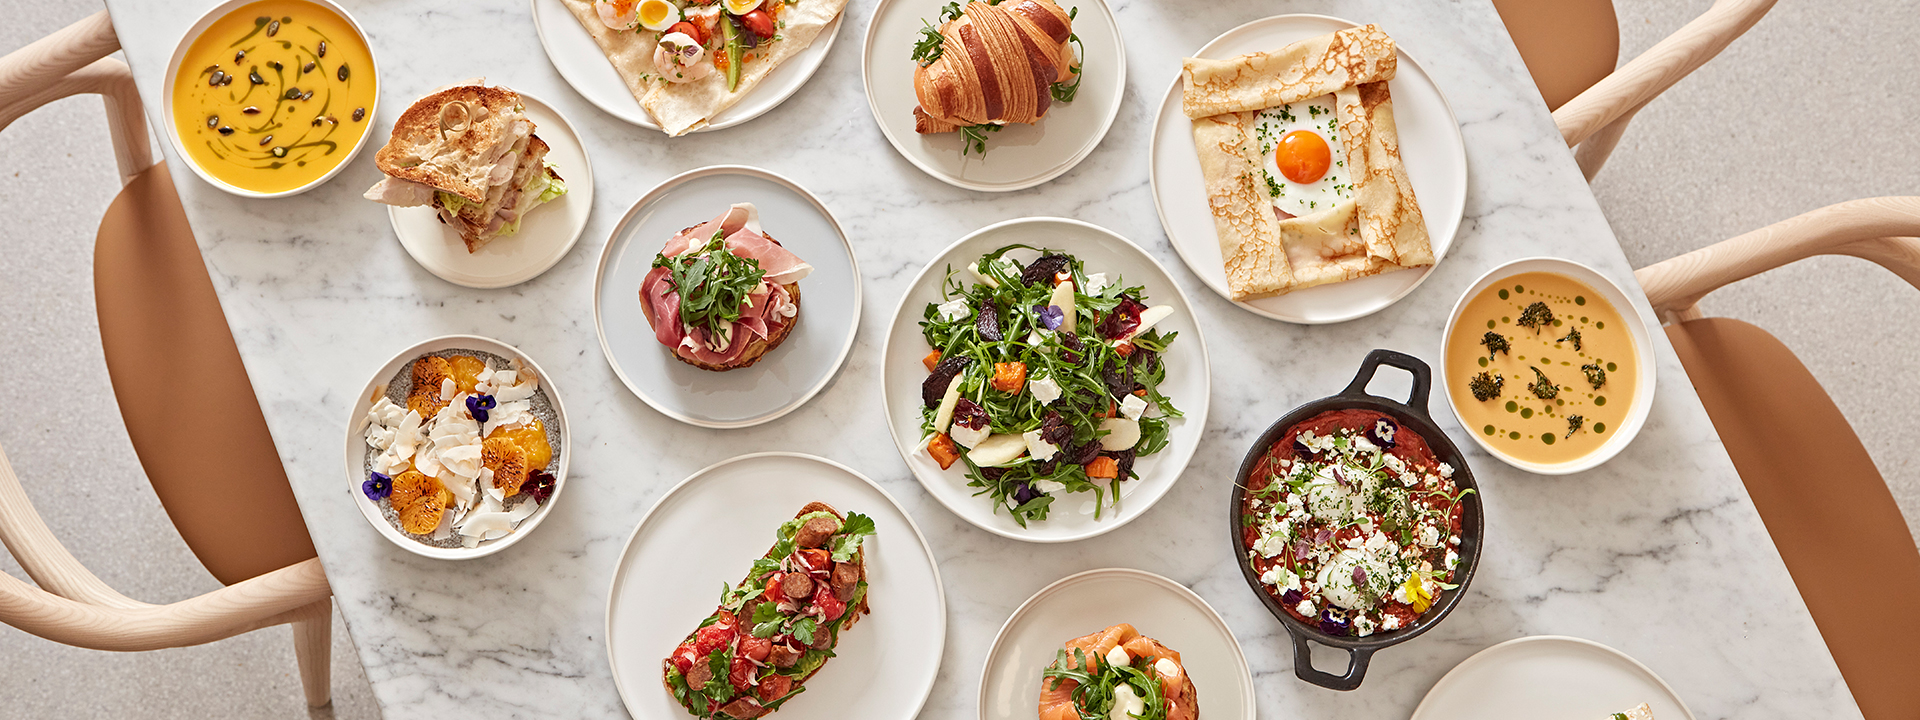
(452, 139)
(755, 348)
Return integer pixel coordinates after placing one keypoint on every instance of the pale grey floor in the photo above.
(1814, 106)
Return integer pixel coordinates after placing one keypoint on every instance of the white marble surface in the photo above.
(1658, 553)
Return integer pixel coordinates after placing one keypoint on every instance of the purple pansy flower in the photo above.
(1051, 317)
(377, 487)
(478, 405)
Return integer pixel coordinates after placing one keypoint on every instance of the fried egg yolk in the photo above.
(1303, 156)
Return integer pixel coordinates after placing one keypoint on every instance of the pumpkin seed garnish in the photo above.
(343, 73)
(273, 28)
(358, 114)
(226, 130)
(251, 110)
(323, 49)
(279, 152)
(265, 140)
(308, 68)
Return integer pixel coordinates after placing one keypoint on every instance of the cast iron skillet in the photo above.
(1412, 416)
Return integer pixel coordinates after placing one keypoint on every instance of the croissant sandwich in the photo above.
(994, 65)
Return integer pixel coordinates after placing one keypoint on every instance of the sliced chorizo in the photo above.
(815, 531)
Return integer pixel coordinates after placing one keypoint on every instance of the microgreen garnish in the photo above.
(974, 137)
(712, 281)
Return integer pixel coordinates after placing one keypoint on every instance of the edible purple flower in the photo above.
(1050, 316)
(1292, 598)
(1359, 575)
(539, 486)
(377, 487)
(1333, 624)
(1302, 550)
(1024, 493)
(478, 405)
(1382, 431)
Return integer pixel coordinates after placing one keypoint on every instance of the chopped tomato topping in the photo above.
(813, 559)
(756, 648)
(824, 598)
(1009, 377)
(932, 360)
(943, 451)
(740, 675)
(1142, 392)
(774, 687)
(710, 638)
(682, 658)
(1103, 467)
(691, 30)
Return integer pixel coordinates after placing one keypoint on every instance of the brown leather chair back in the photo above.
(183, 392)
(1825, 504)
(1568, 44)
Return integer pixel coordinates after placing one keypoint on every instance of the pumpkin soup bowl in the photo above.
(1573, 429)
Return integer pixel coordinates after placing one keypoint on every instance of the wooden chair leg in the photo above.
(313, 648)
(1594, 151)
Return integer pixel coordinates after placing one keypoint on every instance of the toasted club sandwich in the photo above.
(470, 152)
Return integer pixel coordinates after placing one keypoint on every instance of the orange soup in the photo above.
(274, 95)
(1542, 367)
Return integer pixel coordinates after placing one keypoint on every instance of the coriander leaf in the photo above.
(803, 630)
(856, 528)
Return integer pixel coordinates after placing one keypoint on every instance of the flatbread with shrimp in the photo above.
(1301, 159)
(688, 60)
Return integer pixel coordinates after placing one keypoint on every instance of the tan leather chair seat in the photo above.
(188, 405)
(1826, 506)
(1568, 45)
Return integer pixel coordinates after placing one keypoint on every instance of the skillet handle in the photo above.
(1422, 376)
(1303, 666)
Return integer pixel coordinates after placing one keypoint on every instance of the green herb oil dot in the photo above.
(1600, 400)
(1503, 294)
(1602, 325)
(1515, 435)
(1526, 412)
(1513, 406)
(1547, 438)
(1579, 299)
(1599, 427)
(1612, 367)
(1583, 319)
(1488, 429)
(1519, 289)
(1491, 325)
(1483, 362)
(1505, 320)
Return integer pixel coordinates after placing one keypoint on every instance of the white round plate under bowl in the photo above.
(711, 527)
(1188, 380)
(546, 234)
(357, 446)
(1094, 600)
(1642, 351)
(173, 71)
(1019, 156)
(1430, 144)
(585, 67)
(783, 379)
(1548, 677)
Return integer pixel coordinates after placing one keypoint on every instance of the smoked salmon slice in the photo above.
(1176, 688)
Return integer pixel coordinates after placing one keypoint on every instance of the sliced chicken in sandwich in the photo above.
(470, 152)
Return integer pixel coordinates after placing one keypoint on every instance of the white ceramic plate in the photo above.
(783, 379)
(173, 71)
(1187, 382)
(1548, 677)
(1021, 156)
(1642, 350)
(1097, 599)
(711, 527)
(585, 67)
(1430, 145)
(545, 236)
(357, 446)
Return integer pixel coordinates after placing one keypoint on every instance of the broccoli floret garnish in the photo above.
(1486, 386)
(1574, 423)
(1542, 387)
(1596, 375)
(1496, 343)
(1573, 336)
(1536, 316)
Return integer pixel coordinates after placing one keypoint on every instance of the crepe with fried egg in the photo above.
(1368, 225)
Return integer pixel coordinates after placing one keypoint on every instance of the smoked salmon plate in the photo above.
(1117, 674)
(779, 626)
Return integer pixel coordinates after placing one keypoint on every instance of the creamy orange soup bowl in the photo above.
(268, 98)
(1548, 366)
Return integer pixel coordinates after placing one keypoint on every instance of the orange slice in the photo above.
(508, 463)
(466, 371)
(408, 488)
(531, 438)
(423, 515)
(424, 398)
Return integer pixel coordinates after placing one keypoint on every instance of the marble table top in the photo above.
(1658, 553)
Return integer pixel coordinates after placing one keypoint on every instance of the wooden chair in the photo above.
(1570, 47)
(1828, 509)
(187, 403)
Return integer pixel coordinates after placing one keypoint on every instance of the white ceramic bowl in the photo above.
(173, 70)
(1642, 351)
(357, 447)
(1188, 381)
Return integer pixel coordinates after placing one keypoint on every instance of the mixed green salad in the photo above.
(1043, 379)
